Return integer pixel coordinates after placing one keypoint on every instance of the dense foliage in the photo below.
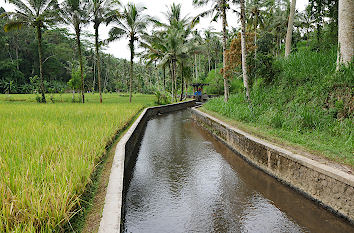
(19, 63)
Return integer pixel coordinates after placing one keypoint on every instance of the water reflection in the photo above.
(186, 181)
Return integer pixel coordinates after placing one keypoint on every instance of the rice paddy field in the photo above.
(48, 152)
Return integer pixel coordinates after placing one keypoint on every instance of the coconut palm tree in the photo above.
(218, 10)
(178, 45)
(154, 51)
(244, 51)
(131, 23)
(102, 11)
(208, 45)
(171, 45)
(73, 13)
(38, 14)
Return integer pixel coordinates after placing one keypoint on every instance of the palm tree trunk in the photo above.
(98, 62)
(244, 50)
(289, 32)
(131, 68)
(196, 66)
(39, 38)
(226, 85)
(16, 50)
(208, 62)
(171, 73)
(164, 77)
(174, 64)
(345, 32)
(78, 42)
(255, 38)
(182, 85)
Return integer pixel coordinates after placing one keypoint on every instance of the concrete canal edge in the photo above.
(112, 210)
(329, 187)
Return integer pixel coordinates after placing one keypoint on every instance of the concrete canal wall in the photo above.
(330, 187)
(123, 158)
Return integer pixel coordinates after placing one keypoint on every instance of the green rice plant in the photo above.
(47, 154)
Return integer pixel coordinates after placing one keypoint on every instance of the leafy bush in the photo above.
(162, 98)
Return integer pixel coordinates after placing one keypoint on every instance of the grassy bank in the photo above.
(306, 104)
(48, 152)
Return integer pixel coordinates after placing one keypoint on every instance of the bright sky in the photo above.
(154, 8)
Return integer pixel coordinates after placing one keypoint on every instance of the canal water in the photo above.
(186, 181)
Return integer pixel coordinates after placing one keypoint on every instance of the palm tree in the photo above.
(171, 45)
(154, 51)
(277, 24)
(289, 33)
(38, 14)
(208, 38)
(73, 14)
(218, 10)
(131, 23)
(345, 33)
(102, 11)
(243, 50)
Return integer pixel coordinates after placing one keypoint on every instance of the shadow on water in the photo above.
(184, 180)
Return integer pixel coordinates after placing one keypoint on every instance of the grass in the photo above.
(48, 153)
(307, 104)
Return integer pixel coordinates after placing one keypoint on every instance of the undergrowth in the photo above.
(308, 103)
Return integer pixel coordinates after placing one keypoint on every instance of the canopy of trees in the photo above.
(41, 57)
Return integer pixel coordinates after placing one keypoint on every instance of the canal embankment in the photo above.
(123, 158)
(330, 187)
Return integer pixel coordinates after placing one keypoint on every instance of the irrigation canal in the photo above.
(184, 180)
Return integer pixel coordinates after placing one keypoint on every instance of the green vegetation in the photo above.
(48, 152)
(307, 104)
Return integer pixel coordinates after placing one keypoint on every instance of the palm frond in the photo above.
(13, 25)
(116, 33)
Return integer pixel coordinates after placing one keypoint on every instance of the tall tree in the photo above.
(38, 14)
(345, 32)
(289, 33)
(244, 50)
(102, 10)
(218, 10)
(132, 22)
(74, 14)
(171, 44)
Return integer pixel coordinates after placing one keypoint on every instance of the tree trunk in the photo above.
(345, 32)
(171, 73)
(78, 42)
(16, 50)
(289, 32)
(243, 50)
(196, 66)
(131, 68)
(255, 38)
(39, 38)
(94, 77)
(182, 85)
(175, 79)
(164, 77)
(98, 62)
(208, 62)
(226, 85)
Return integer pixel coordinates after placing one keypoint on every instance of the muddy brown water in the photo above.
(184, 180)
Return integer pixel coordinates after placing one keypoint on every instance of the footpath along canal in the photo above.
(184, 180)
